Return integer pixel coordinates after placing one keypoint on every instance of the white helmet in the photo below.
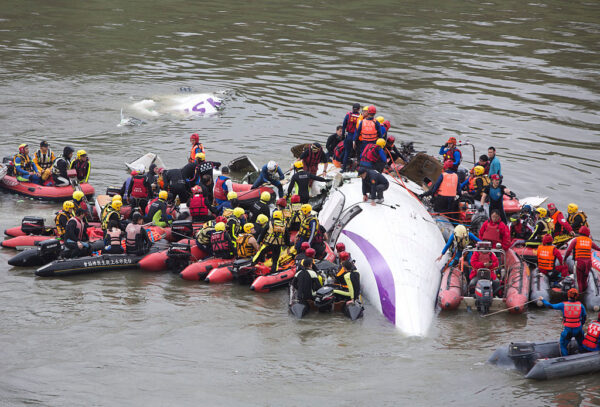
(460, 231)
(271, 166)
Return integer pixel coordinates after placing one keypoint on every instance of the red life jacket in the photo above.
(139, 190)
(371, 153)
(312, 160)
(449, 155)
(592, 336)
(352, 122)
(368, 131)
(572, 314)
(338, 151)
(198, 205)
(221, 244)
(79, 227)
(492, 233)
(219, 191)
(150, 204)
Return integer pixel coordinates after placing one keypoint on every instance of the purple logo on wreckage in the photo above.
(381, 271)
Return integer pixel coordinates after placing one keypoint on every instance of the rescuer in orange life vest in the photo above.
(445, 189)
(197, 147)
(368, 130)
(574, 316)
(581, 247)
(547, 254)
(591, 341)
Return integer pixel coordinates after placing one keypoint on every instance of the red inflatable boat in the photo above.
(266, 282)
(198, 271)
(158, 261)
(41, 192)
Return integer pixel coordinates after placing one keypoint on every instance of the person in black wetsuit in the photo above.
(176, 184)
(306, 281)
(302, 179)
(76, 237)
(333, 141)
(61, 166)
(260, 207)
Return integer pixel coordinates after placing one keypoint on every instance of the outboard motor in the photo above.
(49, 250)
(182, 229)
(324, 299)
(567, 283)
(243, 270)
(484, 292)
(523, 355)
(32, 225)
(178, 257)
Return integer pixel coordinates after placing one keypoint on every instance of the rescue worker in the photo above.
(485, 163)
(221, 243)
(581, 248)
(276, 237)
(261, 226)
(112, 214)
(226, 207)
(339, 248)
(495, 192)
(301, 181)
(82, 165)
(267, 175)
(591, 341)
(332, 141)
(223, 186)
(543, 226)
(495, 167)
(381, 120)
(235, 223)
(449, 152)
(495, 231)
(547, 254)
(373, 156)
(348, 282)
(175, 183)
(522, 227)
(204, 234)
(576, 218)
(61, 166)
(312, 157)
(199, 207)
(445, 190)
(483, 259)
(125, 188)
(385, 129)
(348, 134)
(459, 240)
(197, 147)
(112, 239)
(373, 183)
(562, 230)
(137, 241)
(79, 202)
(204, 169)
(574, 317)
(62, 217)
(157, 214)
(151, 179)
(308, 227)
(139, 190)
(295, 213)
(318, 243)
(260, 207)
(247, 246)
(477, 183)
(106, 207)
(368, 131)
(392, 152)
(25, 170)
(76, 237)
(44, 159)
(306, 281)
(301, 254)
(338, 155)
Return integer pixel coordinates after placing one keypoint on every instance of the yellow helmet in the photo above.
(478, 170)
(248, 227)
(572, 208)
(278, 215)
(116, 197)
(265, 196)
(380, 119)
(81, 153)
(366, 108)
(201, 156)
(380, 142)
(262, 219)
(237, 212)
(116, 205)
(542, 211)
(164, 195)
(306, 209)
(298, 164)
(78, 195)
(68, 205)
(231, 195)
(220, 227)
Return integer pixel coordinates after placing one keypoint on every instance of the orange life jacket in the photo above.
(473, 180)
(583, 248)
(558, 228)
(368, 131)
(449, 185)
(592, 336)
(196, 148)
(546, 258)
(572, 314)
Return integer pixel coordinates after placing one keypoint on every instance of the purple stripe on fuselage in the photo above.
(381, 271)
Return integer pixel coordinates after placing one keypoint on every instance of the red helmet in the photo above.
(295, 199)
(584, 230)
(282, 202)
(572, 293)
(551, 207)
(448, 164)
(371, 110)
(451, 140)
(344, 256)
(304, 246)
(547, 239)
(387, 124)
(221, 219)
(390, 139)
(310, 252)
(195, 138)
(196, 189)
(134, 173)
(495, 176)
(160, 170)
(340, 247)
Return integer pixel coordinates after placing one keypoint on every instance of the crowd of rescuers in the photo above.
(44, 168)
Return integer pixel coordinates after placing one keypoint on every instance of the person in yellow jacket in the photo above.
(63, 217)
(44, 160)
(247, 246)
(276, 237)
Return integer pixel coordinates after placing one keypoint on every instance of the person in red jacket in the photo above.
(495, 231)
(581, 248)
(561, 226)
(484, 259)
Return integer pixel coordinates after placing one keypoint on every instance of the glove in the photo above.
(512, 194)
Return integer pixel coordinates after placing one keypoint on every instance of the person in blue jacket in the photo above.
(574, 317)
(267, 174)
(495, 167)
(24, 167)
(460, 239)
(449, 152)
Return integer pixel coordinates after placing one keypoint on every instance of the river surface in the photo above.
(521, 76)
